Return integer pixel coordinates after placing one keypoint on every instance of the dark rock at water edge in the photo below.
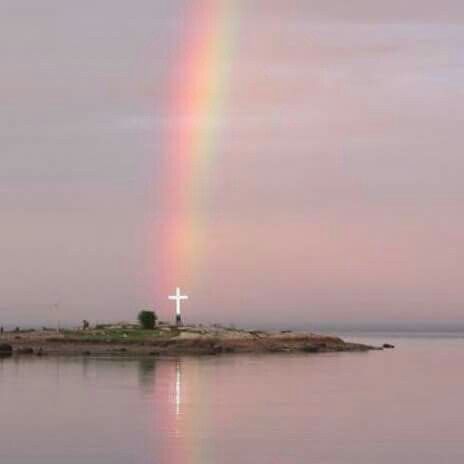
(311, 349)
(24, 351)
(5, 349)
(40, 352)
(388, 346)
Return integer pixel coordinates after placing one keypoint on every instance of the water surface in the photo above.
(400, 406)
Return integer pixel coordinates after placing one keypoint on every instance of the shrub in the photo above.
(147, 319)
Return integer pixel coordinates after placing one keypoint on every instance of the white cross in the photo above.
(178, 298)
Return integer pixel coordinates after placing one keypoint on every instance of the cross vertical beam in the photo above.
(178, 297)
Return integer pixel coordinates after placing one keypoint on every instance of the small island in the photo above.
(169, 340)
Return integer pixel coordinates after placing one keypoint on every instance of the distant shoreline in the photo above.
(172, 341)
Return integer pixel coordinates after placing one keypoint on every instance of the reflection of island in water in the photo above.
(170, 371)
(147, 373)
(160, 383)
(178, 385)
(178, 417)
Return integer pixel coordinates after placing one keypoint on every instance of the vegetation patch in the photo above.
(116, 335)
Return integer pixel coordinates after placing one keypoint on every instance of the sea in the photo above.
(401, 406)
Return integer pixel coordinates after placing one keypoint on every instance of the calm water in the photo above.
(401, 406)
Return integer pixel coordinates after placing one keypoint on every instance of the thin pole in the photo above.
(56, 307)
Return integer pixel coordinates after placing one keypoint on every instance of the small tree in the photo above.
(147, 319)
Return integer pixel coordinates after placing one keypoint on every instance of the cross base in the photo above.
(178, 320)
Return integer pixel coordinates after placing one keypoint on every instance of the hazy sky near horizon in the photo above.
(337, 190)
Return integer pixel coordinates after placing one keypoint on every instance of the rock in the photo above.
(257, 333)
(119, 350)
(25, 351)
(388, 346)
(311, 349)
(218, 349)
(5, 349)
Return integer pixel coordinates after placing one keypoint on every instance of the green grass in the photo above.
(119, 335)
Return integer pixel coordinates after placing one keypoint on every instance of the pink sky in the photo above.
(337, 184)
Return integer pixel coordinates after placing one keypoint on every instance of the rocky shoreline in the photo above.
(173, 341)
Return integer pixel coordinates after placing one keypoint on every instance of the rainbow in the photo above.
(197, 100)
